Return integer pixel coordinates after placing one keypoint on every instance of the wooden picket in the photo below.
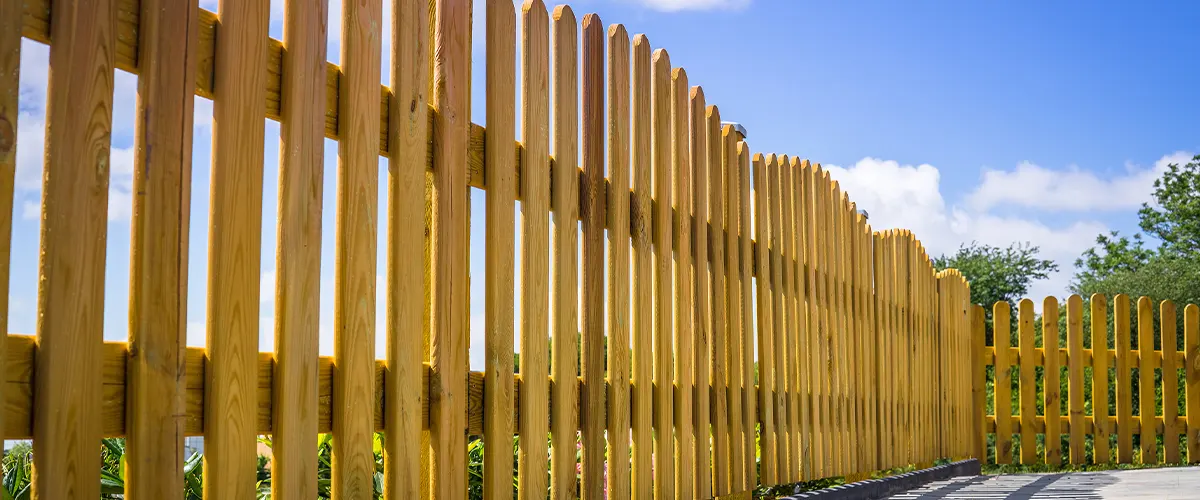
(728, 319)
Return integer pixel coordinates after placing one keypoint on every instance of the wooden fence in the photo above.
(778, 339)
(1122, 378)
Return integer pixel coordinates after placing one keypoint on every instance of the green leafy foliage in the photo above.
(998, 274)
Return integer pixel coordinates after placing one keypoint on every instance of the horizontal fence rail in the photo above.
(1108, 383)
(696, 319)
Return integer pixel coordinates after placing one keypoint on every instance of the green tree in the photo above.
(1175, 217)
(998, 274)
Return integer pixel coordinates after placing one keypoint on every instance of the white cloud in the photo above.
(909, 197)
(30, 210)
(1070, 189)
(678, 5)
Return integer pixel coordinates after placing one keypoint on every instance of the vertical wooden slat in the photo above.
(1124, 385)
(701, 159)
(979, 382)
(799, 319)
(1101, 430)
(839, 331)
(1146, 362)
(1191, 349)
(1001, 317)
(355, 252)
(535, 227)
(723, 311)
(499, 251)
(158, 255)
(765, 312)
(564, 200)
(664, 462)
(643, 273)
(821, 372)
(592, 410)
(881, 360)
(70, 302)
(618, 264)
(11, 17)
(1051, 397)
(1075, 376)
(1170, 382)
(808, 315)
(1028, 389)
(235, 239)
(298, 258)
(449, 255)
(684, 306)
(749, 409)
(736, 334)
(406, 302)
(780, 320)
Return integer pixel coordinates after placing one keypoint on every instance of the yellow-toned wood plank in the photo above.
(1124, 396)
(618, 204)
(978, 380)
(701, 160)
(1170, 382)
(406, 256)
(73, 232)
(794, 263)
(449, 253)
(664, 463)
(882, 413)
(564, 204)
(499, 252)
(355, 251)
(1146, 362)
(11, 16)
(1191, 347)
(592, 213)
(1001, 314)
(750, 411)
(684, 306)
(820, 208)
(642, 222)
(234, 240)
(766, 318)
(158, 291)
(784, 317)
(722, 309)
(1099, 310)
(533, 466)
(802, 173)
(1051, 397)
(301, 177)
(1075, 378)
(736, 225)
(1028, 388)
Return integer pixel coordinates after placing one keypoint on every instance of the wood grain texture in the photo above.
(592, 213)
(355, 251)
(793, 262)
(664, 463)
(765, 317)
(1028, 390)
(1146, 367)
(1100, 442)
(837, 354)
(819, 355)
(532, 466)
(1075, 378)
(1170, 381)
(407, 260)
(71, 267)
(641, 222)
(564, 303)
(158, 254)
(779, 318)
(618, 203)
(298, 257)
(737, 316)
(750, 411)
(1001, 313)
(685, 303)
(11, 16)
(881, 360)
(978, 381)
(1124, 401)
(1191, 349)
(1051, 397)
(449, 340)
(806, 287)
(719, 165)
(701, 320)
(500, 249)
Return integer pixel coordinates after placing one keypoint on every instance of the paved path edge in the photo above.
(872, 489)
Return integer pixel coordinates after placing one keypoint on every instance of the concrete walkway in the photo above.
(1178, 483)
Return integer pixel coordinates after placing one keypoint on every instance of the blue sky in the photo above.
(996, 122)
